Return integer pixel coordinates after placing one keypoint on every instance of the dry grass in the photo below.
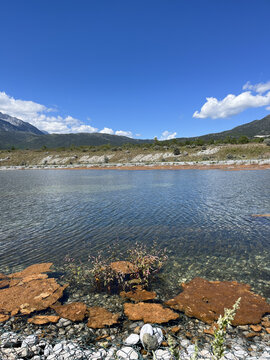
(67, 157)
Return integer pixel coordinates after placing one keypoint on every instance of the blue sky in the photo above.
(140, 68)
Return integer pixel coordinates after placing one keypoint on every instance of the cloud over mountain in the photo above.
(46, 119)
(235, 104)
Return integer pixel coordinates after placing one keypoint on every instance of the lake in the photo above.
(203, 218)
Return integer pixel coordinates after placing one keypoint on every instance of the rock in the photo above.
(157, 332)
(31, 296)
(267, 330)
(100, 317)
(73, 311)
(32, 270)
(4, 281)
(30, 341)
(133, 339)
(206, 301)
(146, 329)
(260, 215)
(256, 328)
(139, 295)
(266, 323)
(175, 329)
(43, 319)
(251, 335)
(149, 342)
(149, 313)
(127, 352)
(123, 267)
(211, 330)
(163, 355)
(3, 317)
(21, 281)
(9, 339)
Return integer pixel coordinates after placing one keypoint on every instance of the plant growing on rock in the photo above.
(147, 262)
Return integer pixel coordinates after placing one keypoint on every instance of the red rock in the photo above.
(30, 296)
(175, 329)
(149, 313)
(4, 317)
(261, 215)
(43, 319)
(100, 317)
(256, 328)
(74, 311)
(266, 323)
(32, 270)
(211, 330)
(4, 280)
(251, 335)
(206, 300)
(123, 267)
(14, 282)
(267, 330)
(139, 295)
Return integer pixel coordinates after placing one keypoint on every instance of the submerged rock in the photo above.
(206, 301)
(123, 267)
(139, 295)
(149, 313)
(30, 293)
(100, 317)
(74, 311)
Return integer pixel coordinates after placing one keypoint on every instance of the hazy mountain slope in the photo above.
(10, 123)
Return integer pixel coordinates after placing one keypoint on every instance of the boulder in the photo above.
(100, 317)
(206, 300)
(43, 319)
(74, 311)
(149, 313)
(139, 294)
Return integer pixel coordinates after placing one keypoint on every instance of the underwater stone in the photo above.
(149, 313)
(206, 301)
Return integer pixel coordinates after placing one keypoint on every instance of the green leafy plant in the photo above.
(218, 344)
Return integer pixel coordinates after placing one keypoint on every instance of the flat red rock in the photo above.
(139, 295)
(124, 267)
(100, 317)
(149, 313)
(43, 319)
(74, 311)
(206, 300)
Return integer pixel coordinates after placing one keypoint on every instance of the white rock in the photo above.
(133, 339)
(158, 334)
(30, 341)
(127, 352)
(146, 329)
(163, 355)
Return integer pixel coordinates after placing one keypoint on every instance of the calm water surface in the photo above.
(203, 217)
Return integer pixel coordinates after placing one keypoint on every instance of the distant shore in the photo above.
(229, 165)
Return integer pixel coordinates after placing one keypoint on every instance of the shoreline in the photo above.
(232, 165)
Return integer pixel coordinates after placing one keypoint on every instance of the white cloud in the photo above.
(40, 116)
(231, 105)
(166, 135)
(124, 133)
(259, 88)
(107, 131)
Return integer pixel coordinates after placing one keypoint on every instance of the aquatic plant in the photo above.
(98, 272)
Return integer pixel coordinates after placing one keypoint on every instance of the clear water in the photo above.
(203, 217)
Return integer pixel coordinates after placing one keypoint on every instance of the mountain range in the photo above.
(22, 135)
